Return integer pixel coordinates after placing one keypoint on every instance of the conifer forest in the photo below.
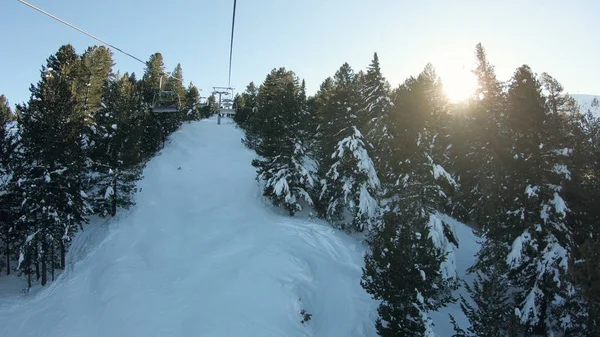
(517, 162)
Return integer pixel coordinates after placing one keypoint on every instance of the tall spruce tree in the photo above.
(281, 150)
(411, 229)
(192, 103)
(9, 207)
(531, 245)
(376, 105)
(482, 163)
(118, 163)
(53, 197)
(348, 178)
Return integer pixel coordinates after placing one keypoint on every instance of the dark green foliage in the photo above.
(281, 150)
(9, 207)
(402, 270)
(348, 179)
(53, 198)
(247, 116)
(192, 104)
(116, 160)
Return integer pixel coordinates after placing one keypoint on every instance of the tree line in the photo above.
(76, 149)
(517, 161)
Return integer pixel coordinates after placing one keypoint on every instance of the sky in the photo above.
(311, 37)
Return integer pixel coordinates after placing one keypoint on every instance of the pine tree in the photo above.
(192, 100)
(156, 128)
(348, 178)
(532, 242)
(411, 229)
(54, 201)
(9, 208)
(377, 105)
(583, 195)
(402, 271)
(482, 162)
(281, 151)
(118, 164)
(249, 118)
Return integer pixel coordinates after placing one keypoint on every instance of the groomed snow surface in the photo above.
(202, 254)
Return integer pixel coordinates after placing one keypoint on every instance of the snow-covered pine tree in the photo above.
(412, 228)
(376, 104)
(53, 197)
(281, 150)
(582, 194)
(533, 242)
(192, 103)
(348, 178)
(116, 159)
(403, 271)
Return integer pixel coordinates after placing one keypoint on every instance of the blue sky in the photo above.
(311, 37)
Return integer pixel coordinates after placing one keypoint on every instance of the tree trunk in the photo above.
(52, 259)
(113, 210)
(7, 257)
(37, 262)
(29, 277)
(62, 255)
(44, 263)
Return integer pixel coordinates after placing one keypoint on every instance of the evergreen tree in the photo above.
(156, 128)
(250, 119)
(281, 150)
(53, 197)
(531, 244)
(411, 227)
(482, 162)
(9, 207)
(583, 194)
(94, 71)
(118, 164)
(377, 105)
(348, 179)
(192, 101)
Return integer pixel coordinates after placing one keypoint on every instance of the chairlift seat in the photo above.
(166, 101)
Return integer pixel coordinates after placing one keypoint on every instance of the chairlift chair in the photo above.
(166, 101)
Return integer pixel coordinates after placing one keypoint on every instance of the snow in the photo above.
(586, 103)
(515, 256)
(203, 254)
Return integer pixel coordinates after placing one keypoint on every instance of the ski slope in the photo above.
(202, 254)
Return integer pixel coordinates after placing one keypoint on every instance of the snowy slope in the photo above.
(201, 255)
(585, 103)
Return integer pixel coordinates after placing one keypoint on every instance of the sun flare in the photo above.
(454, 66)
(459, 86)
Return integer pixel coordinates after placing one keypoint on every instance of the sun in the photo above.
(454, 65)
(459, 85)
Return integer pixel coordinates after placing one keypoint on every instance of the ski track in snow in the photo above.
(201, 255)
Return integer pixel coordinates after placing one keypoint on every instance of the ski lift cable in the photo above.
(90, 35)
(231, 44)
(80, 30)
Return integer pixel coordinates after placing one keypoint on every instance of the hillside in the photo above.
(202, 254)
